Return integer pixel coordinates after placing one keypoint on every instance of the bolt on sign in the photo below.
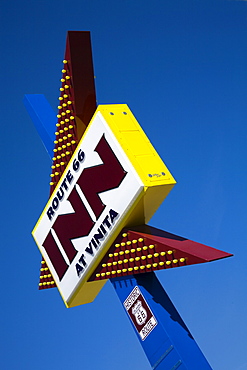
(115, 179)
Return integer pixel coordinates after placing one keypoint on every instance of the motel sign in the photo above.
(106, 183)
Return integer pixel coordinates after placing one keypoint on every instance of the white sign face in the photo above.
(90, 201)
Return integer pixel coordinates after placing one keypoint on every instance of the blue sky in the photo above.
(181, 66)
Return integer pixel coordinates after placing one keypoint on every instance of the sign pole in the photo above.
(148, 307)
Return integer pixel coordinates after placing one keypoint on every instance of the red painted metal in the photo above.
(77, 104)
(144, 249)
(78, 55)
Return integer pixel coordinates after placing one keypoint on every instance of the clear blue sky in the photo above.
(181, 66)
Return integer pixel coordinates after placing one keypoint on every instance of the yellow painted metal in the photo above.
(155, 176)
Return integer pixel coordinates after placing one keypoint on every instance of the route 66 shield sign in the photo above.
(140, 313)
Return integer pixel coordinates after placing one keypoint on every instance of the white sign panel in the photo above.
(86, 207)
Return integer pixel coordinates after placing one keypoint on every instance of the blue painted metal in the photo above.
(43, 118)
(170, 344)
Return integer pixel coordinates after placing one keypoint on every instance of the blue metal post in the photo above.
(44, 119)
(164, 337)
